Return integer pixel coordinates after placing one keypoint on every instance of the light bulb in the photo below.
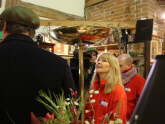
(163, 16)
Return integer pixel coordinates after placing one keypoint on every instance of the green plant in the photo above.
(65, 111)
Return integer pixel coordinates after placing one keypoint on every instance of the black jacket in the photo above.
(25, 68)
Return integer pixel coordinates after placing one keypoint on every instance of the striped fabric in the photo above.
(126, 77)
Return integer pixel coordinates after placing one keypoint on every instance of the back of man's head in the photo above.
(21, 15)
(125, 57)
(20, 19)
(125, 62)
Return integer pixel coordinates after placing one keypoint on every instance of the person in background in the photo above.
(89, 73)
(133, 82)
(25, 68)
(106, 91)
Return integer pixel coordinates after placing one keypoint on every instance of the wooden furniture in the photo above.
(47, 46)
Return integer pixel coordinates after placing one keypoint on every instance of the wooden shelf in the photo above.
(138, 56)
(105, 45)
(47, 46)
(134, 42)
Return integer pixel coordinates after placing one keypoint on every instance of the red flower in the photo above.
(48, 117)
(75, 112)
(74, 94)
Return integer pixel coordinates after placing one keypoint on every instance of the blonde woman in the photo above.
(106, 96)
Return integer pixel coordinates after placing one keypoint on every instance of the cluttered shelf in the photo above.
(46, 46)
(138, 56)
(134, 42)
(104, 45)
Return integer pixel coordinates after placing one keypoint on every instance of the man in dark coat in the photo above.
(25, 68)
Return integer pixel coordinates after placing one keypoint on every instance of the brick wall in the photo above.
(156, 11)
(117, 10)
(125, 10)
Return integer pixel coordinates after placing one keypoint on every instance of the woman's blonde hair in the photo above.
(113, 76)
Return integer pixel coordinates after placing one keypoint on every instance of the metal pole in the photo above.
(81, 77)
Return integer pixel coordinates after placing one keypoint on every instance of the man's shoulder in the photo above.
(138, 78)
(53, 55)
(59, 57)
(32, 49)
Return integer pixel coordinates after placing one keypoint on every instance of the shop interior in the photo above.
(121, 32)
(116, 33)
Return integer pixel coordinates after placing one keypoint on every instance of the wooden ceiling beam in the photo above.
(161, 3)
(11, 3)
(44, 11)
(50, 13)
(92, 2)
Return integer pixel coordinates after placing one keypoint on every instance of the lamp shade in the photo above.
(151, 105)
(44, 31)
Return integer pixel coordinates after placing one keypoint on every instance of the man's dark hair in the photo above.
(15, 28)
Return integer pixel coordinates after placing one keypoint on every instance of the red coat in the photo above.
(133, 90)
(106, 103)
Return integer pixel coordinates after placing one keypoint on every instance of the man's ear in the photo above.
(5, 33)
(4, 27)
(130, 65)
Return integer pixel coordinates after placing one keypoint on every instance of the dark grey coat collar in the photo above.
(21, 37)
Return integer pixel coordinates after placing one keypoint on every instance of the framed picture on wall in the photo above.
(59, 47)
(155, 29)
(153, 50)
